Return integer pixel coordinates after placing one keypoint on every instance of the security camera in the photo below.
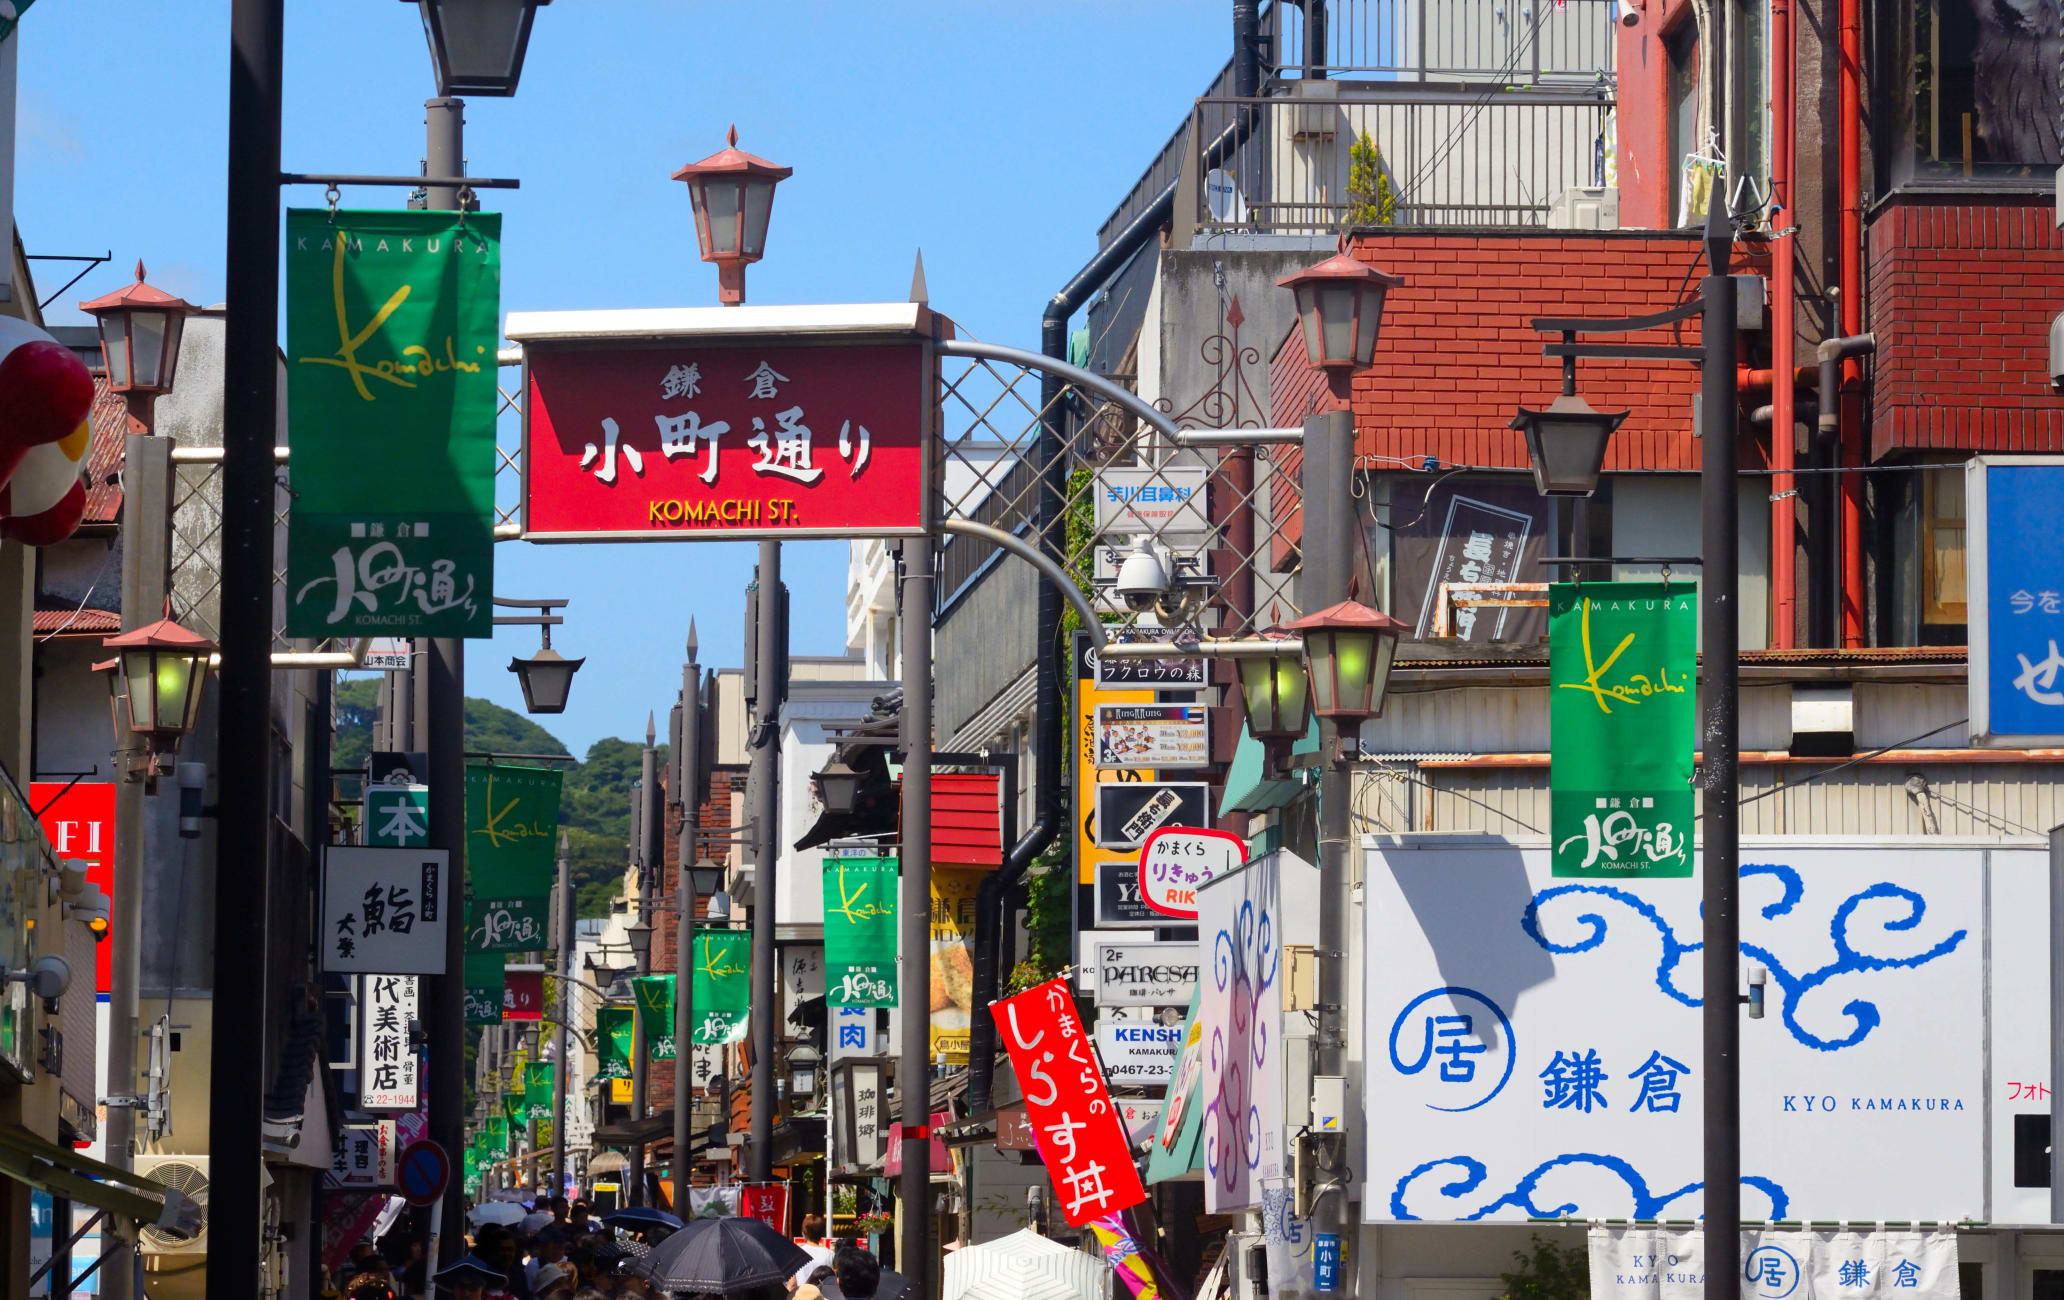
(1142, 580)
(47, 977)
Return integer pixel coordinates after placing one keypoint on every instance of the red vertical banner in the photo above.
(767, 1202)
(523, 993)
(1079, 1135)
(79, 819)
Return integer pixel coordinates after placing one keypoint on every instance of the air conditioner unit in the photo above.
(1585, 207)
(187, 1175)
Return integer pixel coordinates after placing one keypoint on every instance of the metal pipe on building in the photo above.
(913, 1073)
(1849, 304)
(1784, 501)
(770, 672)
(1834, 357)
(236, 1100)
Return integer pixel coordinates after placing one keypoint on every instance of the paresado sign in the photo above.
(704, 423)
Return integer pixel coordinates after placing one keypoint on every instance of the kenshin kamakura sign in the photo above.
(392, 329)
(716, 423)
(1622, 703)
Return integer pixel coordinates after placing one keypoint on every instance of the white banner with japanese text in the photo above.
(384, 910)
(1634, 1263)
(388, 1068)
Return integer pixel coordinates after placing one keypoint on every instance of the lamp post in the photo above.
(698, 877)
(546, 677)
(733, 195)
(477, 46)
(640, 935)
(140, 329)
(838, 786)
(1340, 313)
(1720, 708)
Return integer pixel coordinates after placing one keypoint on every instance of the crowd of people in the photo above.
(562, 1252)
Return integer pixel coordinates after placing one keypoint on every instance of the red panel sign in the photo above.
(767, 1202)
(1080, 1137)
(80, 821)
(688, 441)
(523, 994)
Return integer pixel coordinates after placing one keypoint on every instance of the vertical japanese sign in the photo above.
(384, 910)
(537, 1090)
(2014, 567)
(1240, 923)
(393, 322)
(698, 440)
(484, 988)
(397, 816)
(79, 820)
(1622, 704)
(722, 985)
(1095, 864)
(512, 827)
(860, 930)
(613, 1043)
(388, 1068)
(656, 1015)
(767, 1202)
(952, 961)
(523, 993)
(1080, 1138)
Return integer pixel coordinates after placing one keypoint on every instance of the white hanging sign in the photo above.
(384, 910)
(388, 1070)
(1778, 1264)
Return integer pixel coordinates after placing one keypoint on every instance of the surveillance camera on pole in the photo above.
(1143, 579)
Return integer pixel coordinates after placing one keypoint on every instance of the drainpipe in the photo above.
(1784, 513)
(1837, 356)
(1246, 48)
(1849, 281)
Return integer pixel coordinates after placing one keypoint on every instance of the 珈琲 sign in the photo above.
(706, 423)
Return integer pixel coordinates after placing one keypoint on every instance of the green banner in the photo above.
(393, 321)
(722, 986)
(474, 1159)
(656, 1014)
(860, 931)
(483, 975)
(512, 829)
(537, 1090)
(513, 1108)
(1622, 713)
(495, 1135)
(613, 1042)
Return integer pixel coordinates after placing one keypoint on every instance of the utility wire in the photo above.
(1860, 758)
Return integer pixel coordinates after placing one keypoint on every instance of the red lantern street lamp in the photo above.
(155, 685)
(1348, 651)
(140, 329)
(1340, 307)
(733, 194)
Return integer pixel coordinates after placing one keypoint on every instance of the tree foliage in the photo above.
(1371, 199)
(1547, 1271)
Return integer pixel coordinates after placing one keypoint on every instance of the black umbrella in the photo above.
(893, 1286)
(726, 1256)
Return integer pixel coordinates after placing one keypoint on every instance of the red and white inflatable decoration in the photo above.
(46, 394)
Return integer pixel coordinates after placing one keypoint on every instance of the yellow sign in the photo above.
(1087, 774)
(952, 960)
(619, 1092)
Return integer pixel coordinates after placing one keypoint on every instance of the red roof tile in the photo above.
(110, 422)
(77, 622)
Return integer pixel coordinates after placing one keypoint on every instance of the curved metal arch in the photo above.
(1039, 560)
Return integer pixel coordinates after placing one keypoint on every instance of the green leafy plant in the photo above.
(1547, 1271)
(1371, 199)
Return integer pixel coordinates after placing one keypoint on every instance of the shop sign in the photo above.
(2014, 572)
(79, 820)
(388, 1066)
(1153, 735)
(397, 816)
(1778, 1263)
(1128, 812)
(1081, 1141)
(1137, 1052)
(860, 929)
(363, 1155)
(1133, 974)
(1171, 674)
(1089, 858)
(1177, 861)
(387, 654)
(699, 440)
(384, 910)
(523, 993)
(1151, 500)
(1118, 902)
(767, 1202)
(1141, 1117)
(1240, 922)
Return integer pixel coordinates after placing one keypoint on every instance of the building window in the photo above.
(1982, 89)
(1942, 547)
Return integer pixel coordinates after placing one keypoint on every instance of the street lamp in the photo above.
(546, 678)
(733, 194)
(640, 935)
(708, 877)
(154, 686)
(477, 45)
(838, 786)
(1348, 650)
(803, 1061)
(1340, 308)
(1566, 444)
(1276, 692)
(140, 329)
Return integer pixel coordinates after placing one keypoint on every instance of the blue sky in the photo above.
(995, 135)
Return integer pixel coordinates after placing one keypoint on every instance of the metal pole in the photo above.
(651, 874)
(764, 782)
(914, 1250)
(688, 791)
(641, 1066)
(1719, 646)
(146, 566)
(559, 1057)
(443, 723)
(1329, 514)
(236, 1101)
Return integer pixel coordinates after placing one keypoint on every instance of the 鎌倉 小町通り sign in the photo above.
(512, 830)
(1153, 735)
(393, 322)
(384, 910)
(2014, 579)
(726, 422)
(860, 929)
(721, 986)
(1622, 700)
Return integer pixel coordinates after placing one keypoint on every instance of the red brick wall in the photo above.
(1961, 295)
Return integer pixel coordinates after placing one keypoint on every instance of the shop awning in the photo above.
(48, 1167)
(1249, 788)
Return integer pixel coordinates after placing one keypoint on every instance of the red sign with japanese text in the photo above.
(767, 1202)
(80, 821)
(1080, 1137)
(523, 994)
(690, 441)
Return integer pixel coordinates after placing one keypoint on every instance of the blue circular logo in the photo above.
(1773, 1271)
(1450, 1044)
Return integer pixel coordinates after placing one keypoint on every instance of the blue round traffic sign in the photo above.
(423, 1172)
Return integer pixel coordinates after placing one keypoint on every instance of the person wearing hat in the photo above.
(553, 1282)
(470, 1279)
(367, 1286)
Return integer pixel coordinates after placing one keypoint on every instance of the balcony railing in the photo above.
(1499, 42)
(1446, 155)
